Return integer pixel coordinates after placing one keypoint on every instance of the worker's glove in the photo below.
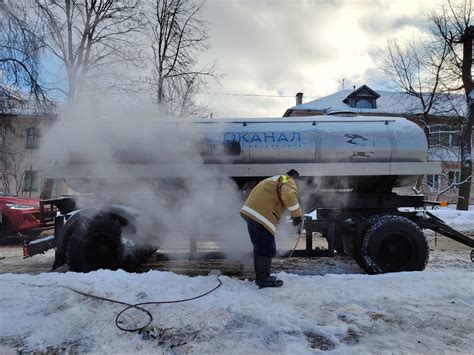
(297, 221)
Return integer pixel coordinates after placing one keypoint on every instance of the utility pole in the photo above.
(466, 126)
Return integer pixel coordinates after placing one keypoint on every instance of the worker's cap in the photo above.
(293, 173)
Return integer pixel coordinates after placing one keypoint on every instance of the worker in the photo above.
(262, 212)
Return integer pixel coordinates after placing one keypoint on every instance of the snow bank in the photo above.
(461, 220)
(409, 312)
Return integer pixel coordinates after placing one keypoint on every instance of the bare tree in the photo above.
(14, 159)
(20, 54)
(417, 68)
(86, 36)
(178, 33)
(450, 186)
(433, 70)
(13, 173)
(452, 27)
(181, 96)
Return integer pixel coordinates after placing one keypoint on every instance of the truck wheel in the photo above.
(393, 244)
(96, 245)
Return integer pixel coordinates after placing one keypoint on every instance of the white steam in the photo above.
(133, 159)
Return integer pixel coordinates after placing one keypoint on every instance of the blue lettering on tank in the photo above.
(243, 137)
(229, 137)
(256, 138)
(282, 137)
(296, 134)
(269, 137)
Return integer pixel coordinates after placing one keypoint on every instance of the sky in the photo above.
(281, 47)
(266, 51)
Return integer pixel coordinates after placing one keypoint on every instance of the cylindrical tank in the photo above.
(308, 140)
(322, 139)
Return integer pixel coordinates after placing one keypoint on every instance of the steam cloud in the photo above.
(201, 203)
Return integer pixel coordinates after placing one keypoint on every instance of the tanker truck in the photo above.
(348, 166)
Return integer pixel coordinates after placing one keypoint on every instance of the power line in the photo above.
(256, 95)
(210, 93)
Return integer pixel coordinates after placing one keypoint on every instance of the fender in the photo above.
(124, 214)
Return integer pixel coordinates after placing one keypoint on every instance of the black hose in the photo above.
(130, 306)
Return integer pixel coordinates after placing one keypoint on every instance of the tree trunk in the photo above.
(72, 82)
(466, 126)
(160, 89)
(466, 161)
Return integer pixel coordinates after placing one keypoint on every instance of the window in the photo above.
(443, 135)
(433, 182)
(456, 139)
(363, 104)
(454, 177)
(31, 181)
(32, 138)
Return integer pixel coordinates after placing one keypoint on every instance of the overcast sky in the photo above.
(281, 47)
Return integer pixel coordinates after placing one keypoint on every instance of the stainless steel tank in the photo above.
(345, 149)
(322, 139)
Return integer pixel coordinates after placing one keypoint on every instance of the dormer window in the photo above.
(363, 103)
(363, 98)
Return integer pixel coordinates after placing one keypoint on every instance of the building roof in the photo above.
(18, 103)
(6, 90)
(388, 102)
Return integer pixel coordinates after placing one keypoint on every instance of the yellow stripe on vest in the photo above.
(259, 217)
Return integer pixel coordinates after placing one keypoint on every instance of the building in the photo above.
(22, 123)
(439, 119)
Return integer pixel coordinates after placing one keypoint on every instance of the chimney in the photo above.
(299, 98)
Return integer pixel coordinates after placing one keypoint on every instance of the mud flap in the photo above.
(38, 246)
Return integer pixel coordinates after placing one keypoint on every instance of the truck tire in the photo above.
(393, 244)
(97, 245)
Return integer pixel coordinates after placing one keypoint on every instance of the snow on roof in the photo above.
(23, 104)
(389, 102)
(7, 90)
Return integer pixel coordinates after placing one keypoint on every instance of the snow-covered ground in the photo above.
(427, 312)
(327, 305)
(461, 220)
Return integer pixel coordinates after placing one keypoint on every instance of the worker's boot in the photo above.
(255, 258)
(263, 279)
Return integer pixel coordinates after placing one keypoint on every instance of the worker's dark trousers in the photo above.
(262, 240)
